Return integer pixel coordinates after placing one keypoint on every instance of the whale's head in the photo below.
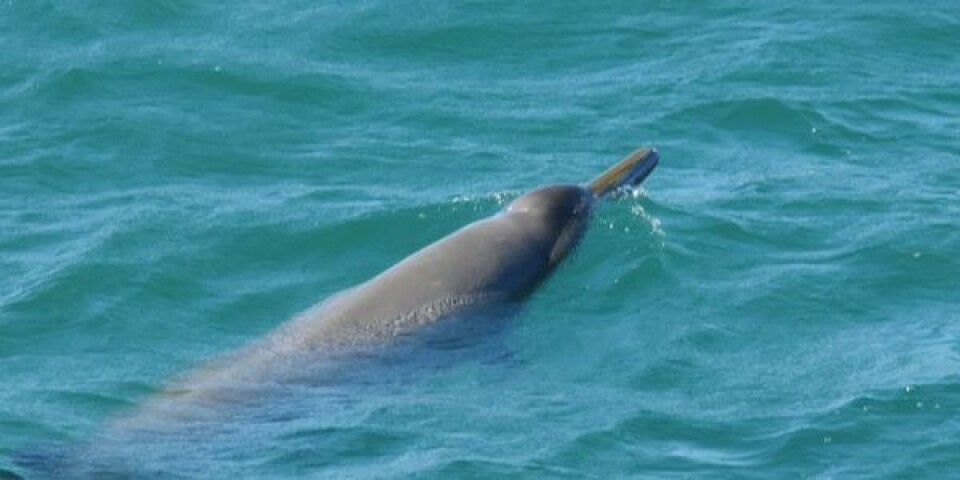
(558, 213)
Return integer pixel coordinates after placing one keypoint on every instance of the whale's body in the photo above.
(488, 263)
(491, 261)
(484, 264)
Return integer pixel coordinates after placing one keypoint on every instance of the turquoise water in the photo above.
(779, 300)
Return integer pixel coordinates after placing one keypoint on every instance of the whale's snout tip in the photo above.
(632, 170)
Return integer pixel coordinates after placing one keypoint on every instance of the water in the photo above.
(778, 301)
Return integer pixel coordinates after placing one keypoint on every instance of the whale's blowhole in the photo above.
(562, 210)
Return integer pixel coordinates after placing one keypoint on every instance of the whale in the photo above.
(494, 261)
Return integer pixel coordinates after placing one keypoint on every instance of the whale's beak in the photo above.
(630, 171)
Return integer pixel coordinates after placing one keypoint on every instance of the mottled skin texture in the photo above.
(496, 259)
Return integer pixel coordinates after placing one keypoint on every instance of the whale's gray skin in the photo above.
(503, 257)
(497, 258)
(493, 260)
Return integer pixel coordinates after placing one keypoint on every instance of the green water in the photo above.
(780, 300)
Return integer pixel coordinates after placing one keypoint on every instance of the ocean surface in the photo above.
(781, 299)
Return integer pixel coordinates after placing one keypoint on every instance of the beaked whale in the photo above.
(492, 261)
(497, 259)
